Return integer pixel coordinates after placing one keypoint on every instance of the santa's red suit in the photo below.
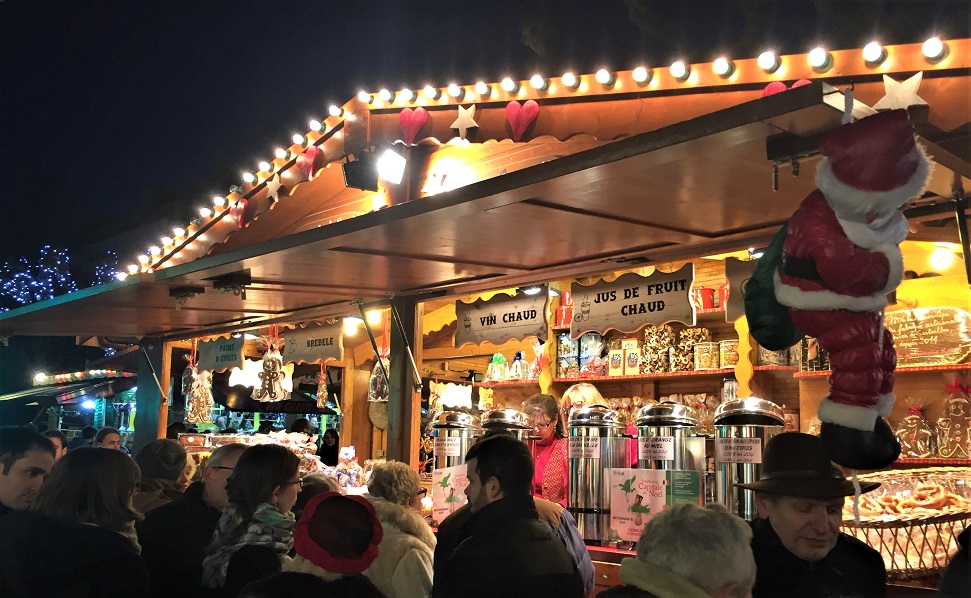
(841, 259)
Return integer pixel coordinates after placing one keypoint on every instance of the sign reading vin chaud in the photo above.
(314, 344)
(630, 301)
(501, 318)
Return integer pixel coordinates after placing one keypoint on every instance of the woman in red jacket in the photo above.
(551, 469)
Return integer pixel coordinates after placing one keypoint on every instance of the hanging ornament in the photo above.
(273, 186)
(307, 161)
(954, 427)
(411, 121)
(199, 401)
(900, 94)
(465, 121)
(378, 389)
(915, 432)
(275, 381)
(520, 116)
(238, 212)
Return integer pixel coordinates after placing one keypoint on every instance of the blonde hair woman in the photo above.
(581, 395)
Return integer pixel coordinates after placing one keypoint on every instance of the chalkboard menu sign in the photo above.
(930, 335)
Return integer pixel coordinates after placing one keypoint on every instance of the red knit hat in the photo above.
(338, 533)
(873, 164)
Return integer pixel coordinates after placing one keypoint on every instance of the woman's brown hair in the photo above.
(91, 485)
(540, 403)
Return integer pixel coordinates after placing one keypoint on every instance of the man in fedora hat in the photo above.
(799, 550)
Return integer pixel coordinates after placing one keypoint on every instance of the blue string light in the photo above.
(23, 282)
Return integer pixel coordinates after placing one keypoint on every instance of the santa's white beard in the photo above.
(886, 229)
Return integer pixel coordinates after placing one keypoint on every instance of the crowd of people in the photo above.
(93, 521)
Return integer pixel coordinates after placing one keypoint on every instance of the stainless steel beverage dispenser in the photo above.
(667, 438)
(509, 420)
(742, 427)
(597, 443)
(454, 432)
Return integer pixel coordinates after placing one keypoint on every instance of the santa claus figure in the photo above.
(840, 260)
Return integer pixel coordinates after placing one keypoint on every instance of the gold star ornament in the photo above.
(900, 94)
(465, 120)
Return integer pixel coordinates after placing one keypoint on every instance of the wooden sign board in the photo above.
(930, 335)
(221, 354)
(501, 318)
(316, 343)
(630, 301)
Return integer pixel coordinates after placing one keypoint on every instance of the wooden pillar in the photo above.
(355, 424)
(151, 405)
(404, 403)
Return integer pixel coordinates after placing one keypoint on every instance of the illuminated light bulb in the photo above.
(941, 259)
(281, 153)
(641, 75)
(455, 91)
(509, 85)
(218, 201)
(248, 177)
(680, 70)
(350, 325)
(483, 89)
(570, 80)
(391, 166)
(143, 259)
(298, 139)
(132, 269)
(120, 275)
(178, 232)
(605, 77)
(408, 95)
(723, 67)
(386, 95)
(768, 61)
(316, 125)
(373, 317)
(365, 97)
(264, 166)
(820, 59)
(432, 93)
(166, 241)
(934, 49)
(874, 53)
(205, 212)
(39, 377)
(335, 111)
(539, 82)
(155, 250)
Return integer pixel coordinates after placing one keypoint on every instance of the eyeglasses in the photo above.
(221, 467)
(542, 426)
(422, 492)
(299, 483)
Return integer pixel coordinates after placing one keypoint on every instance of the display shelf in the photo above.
(776, 368)
(902, 369)
(710, 310)
(506, 383)
(660, 376)
(932, 461)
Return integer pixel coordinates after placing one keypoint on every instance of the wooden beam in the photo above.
(154, 369)
(404, 403)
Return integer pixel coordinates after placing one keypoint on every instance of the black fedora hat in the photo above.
(795, 464)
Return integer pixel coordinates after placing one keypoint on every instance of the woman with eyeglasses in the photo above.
(550, 465)
(255, 533)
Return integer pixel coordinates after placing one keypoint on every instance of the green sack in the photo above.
(768, 320)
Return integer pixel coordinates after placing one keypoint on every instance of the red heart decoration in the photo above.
(307, 161)
(773, 88)
(520, 116)
(238, 212)
(411, 121)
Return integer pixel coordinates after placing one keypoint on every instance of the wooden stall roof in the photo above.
(690, 183)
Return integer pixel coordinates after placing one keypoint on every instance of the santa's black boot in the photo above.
(858, 449)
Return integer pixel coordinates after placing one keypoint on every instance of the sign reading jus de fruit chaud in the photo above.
(501, 318)
(630, 301)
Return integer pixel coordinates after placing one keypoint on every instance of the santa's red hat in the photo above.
(873, 164)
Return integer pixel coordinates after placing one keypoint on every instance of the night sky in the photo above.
(115, 112)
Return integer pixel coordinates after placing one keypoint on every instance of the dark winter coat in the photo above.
(957, 577)
(505, 550)
(851, 569)
(174, 538)
(41, 556)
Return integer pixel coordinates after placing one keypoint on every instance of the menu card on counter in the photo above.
(448, 491)
(637, 495)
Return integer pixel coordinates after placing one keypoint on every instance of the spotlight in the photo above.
(533, 290)
(361, 173)
(391, 166)
(874, 53)
(680, 71)
(641, 75)
(768, 61)
(934, 49)
(88, 404)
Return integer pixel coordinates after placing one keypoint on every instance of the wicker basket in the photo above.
(914, 546)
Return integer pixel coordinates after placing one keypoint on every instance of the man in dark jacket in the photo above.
(799, 550)
(174, 537)
(26, 458)
(504, 549)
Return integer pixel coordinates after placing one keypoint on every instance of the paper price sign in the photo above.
(659, 448)
(738, 450)
(448, 491)
(448, 447)
(584, 447)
